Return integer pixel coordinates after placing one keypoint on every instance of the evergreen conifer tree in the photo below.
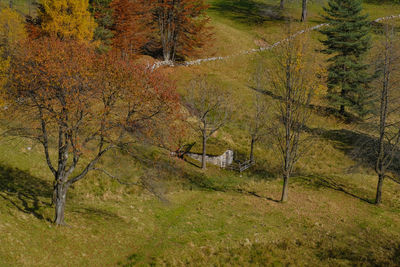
(102, 13)
(347, 41)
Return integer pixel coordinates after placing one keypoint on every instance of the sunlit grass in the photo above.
(213, 217)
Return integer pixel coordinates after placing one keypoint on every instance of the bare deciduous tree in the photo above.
(210, 107)
(388, 126)
(292, 81)
(258, 121)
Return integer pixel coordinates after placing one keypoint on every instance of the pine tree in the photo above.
(103, 16)
(66, 19)
(347, 41)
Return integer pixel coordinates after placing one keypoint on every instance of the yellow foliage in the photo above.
(67, 19)
(12, 30)
(4, 67)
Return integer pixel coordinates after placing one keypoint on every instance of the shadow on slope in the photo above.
(319, 181)
(358, 146)
(321, 110)
(248, 12)
(24, 191)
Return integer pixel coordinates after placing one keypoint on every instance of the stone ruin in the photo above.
(222, 161)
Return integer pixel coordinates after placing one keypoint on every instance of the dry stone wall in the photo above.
(251, 51)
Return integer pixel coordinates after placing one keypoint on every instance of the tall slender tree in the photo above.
(388, 125)
(292, 79)
(347, 42)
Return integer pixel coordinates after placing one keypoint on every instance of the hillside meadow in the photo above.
(214, 217)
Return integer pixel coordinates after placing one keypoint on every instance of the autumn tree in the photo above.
(66, 19)
(182, 27)
(12, 31)
(209, 107)
(291, 81)
(133, 25)
(79, 106)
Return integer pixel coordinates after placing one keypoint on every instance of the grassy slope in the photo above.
(210, 218)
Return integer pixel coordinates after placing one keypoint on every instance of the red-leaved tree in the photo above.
(133, 25)
(79, 105)
(182, 27)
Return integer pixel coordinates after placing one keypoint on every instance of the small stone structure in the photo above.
(222, 161)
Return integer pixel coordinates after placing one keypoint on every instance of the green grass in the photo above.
(216, 217)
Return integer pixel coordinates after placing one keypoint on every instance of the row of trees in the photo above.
(79, 104)
(352, 84)
(168, 28)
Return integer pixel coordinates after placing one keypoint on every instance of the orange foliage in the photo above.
(133, 25)
(81, 104)
(182, 26)
(178, 28)
(60, 78)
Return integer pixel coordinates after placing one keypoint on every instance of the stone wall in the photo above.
(255, 50)
(222, 161)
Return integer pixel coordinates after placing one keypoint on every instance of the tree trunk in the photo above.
(203, 158)
(304, 11)
(282, 5)
(60, 201)
(342, 110)
(252, 149)
(285, 187)
(378, 198)
(167, 55)
(343, 94)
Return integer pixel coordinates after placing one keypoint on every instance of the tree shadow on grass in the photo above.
(247, 12)
(24, 191)
(320, 181)
(96, 213)
(347, 117)
(358, 146)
